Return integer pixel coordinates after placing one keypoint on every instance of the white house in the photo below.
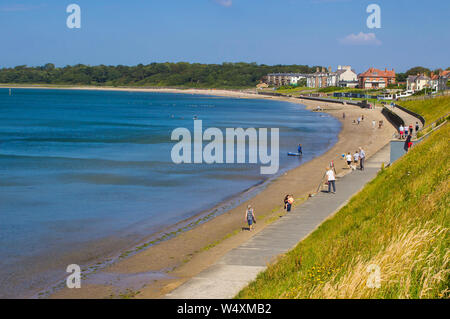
(418, 82)
(346, 77)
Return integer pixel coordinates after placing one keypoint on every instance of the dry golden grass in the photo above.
(397, 262)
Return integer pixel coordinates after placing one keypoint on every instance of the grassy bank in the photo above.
(430, 109)
(398, 223)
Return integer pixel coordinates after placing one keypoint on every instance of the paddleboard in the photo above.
(294, 154)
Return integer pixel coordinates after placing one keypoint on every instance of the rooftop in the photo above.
(378, 73)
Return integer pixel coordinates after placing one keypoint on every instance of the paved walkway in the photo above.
(407, 118)
(241, 265)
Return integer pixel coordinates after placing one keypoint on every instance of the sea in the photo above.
(87, 174)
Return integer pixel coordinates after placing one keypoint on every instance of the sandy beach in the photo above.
(192, 251)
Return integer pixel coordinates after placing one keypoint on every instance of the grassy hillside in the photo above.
(431, 109)
(399, 222)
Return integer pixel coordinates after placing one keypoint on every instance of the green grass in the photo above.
(294, 90)
(399, 221)
(431, 109)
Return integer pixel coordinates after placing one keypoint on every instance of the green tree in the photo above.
(418, 70)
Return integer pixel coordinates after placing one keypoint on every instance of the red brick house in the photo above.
(376, 79)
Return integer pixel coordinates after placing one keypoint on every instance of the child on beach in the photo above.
(349, 159)
(250, 217)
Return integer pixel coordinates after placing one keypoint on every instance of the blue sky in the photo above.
(313, 32)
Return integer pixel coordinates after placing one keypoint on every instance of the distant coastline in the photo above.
(210, 91)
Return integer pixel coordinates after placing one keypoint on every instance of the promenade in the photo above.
(242, 264)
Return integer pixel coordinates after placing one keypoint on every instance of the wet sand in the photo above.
(157, 270)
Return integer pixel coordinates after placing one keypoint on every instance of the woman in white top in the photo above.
(349, 159)
(331, 179)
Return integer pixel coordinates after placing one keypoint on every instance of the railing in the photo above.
(392, 117)
(425, 97)
(431, 127)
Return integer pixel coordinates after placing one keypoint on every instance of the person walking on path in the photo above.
(406, 130)
(356, 158)
(250, 217)
(343, 115)
(408, 143)
(331, 179)
(417, 127)
(349, 159)
(362, 157)
(288, 200)
(401, 130)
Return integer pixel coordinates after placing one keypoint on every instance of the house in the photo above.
(440, 81)
(280, 79)
(443, 81)
(418, 82)
(321, 78)
(376, 79)
(346, 77)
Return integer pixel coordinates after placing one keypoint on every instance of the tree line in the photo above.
(401, 77)
(182, 74)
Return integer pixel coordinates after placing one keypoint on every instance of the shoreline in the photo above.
(203, 243)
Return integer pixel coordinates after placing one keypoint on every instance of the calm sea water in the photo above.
(79, 167)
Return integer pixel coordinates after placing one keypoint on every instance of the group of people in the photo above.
(352, 160)
(250, 212)
(288, 201)
(330, 173)
(407, 130)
